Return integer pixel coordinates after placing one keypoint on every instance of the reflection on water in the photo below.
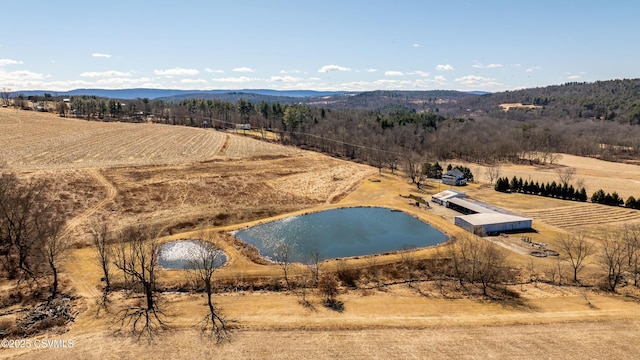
(342, 233)
(184, 254)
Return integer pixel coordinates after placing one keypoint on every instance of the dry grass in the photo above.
(128, 173)
(507, 106)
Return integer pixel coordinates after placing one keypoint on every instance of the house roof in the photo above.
(491, 218)
(455, 172)
(471, 206)
(448, 194)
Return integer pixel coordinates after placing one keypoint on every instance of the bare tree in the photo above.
(282, 256)
(565, 174)
(464, 253)
(478, 261)
(6, 94)
(328, 287)
(52, 248)
(576, 248)
(631, 238)
(101, 241)
(491, 266)
(493, 173)
(612, 260)
(459, 266)
(205, 260)
(313, 263)
(408, 261)
(136, 256)
(413, 168)
(21, 204)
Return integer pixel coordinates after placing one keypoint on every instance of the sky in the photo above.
(347, 45)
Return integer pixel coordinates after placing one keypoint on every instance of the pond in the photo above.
(341, 233)
(184, 254)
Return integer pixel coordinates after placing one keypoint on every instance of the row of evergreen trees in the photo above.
(563, 191)
(553, 189)
(599, 197)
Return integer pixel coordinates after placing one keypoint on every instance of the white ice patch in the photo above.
(181, 250)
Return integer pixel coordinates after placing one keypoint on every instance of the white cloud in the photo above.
(371, 70)
(416, 45)
(193, 81)
(474, 80)
(315, 79)
(99, 55)
(176, 71)
(122, 81)
(577, 76)
(532, 68)
(494, 66)
(4, 62)
(477, 65)
(440, 80)
(445, 67)
(111, 73)
(287, 79)
(241, 79)
(243, 69)
(394, 73)
(328, 68)
(209, 70)
(421, 73)
(20, 75)
(290, 71)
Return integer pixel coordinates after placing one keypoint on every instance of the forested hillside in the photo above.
(615, 100)
(403, 128)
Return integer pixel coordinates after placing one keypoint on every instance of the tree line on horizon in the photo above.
(464, 128)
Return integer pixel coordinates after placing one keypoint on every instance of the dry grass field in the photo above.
(507, 106)
(188, 179)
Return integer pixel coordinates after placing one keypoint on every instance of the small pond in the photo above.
(341, 233)
(184, 254)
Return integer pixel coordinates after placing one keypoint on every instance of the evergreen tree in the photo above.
(553, 189)
(583, 195)
(513, 185)
(598, 197)
(616, 200)
(502, 184)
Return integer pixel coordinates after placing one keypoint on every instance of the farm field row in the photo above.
(41, 141)
(584, 215)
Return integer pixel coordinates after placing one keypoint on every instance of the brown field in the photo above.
(507, 106)
(188, 179)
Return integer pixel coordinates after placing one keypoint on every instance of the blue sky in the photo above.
(321, 45)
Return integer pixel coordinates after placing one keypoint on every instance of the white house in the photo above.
(454, 177)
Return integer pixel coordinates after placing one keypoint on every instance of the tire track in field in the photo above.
(111, 194)
(225, 146)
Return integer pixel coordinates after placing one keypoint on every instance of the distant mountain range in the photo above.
(152, 94)
(601, 100)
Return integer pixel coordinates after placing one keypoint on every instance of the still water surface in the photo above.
(341, 233)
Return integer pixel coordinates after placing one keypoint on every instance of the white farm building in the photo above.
(478, 218)
(492, 223)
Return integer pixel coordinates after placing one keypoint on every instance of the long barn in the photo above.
(492, 223)
(479, 218)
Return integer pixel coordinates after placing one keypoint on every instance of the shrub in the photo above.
(348, 276)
